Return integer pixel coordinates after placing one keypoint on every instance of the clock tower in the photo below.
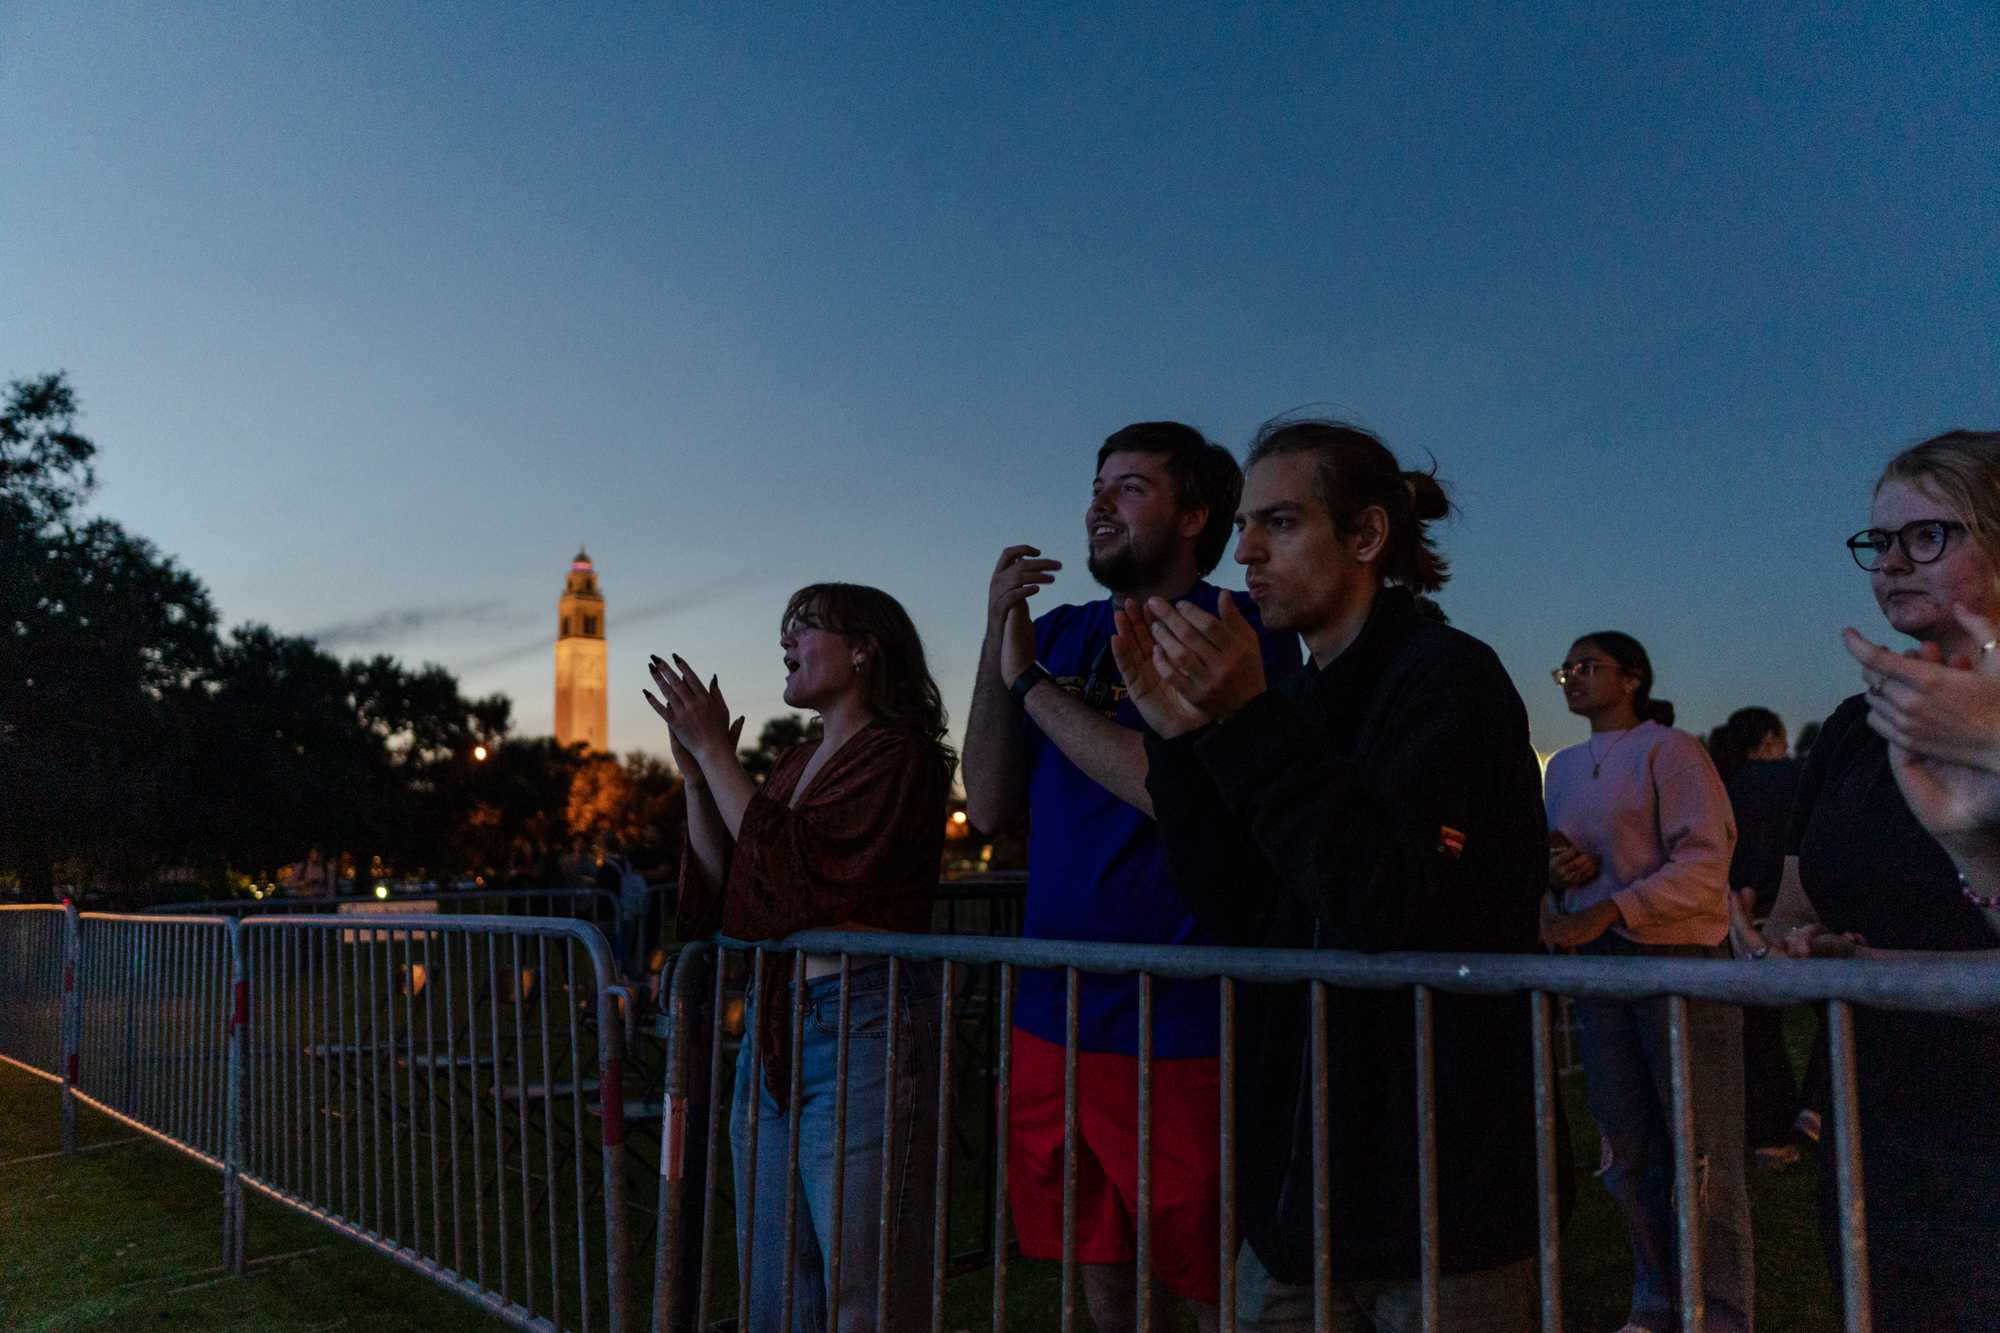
(581, 701)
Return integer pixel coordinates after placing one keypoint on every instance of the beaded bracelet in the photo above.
(1983, 903)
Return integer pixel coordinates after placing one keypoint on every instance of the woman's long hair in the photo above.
(900, 691)
(1630, 654)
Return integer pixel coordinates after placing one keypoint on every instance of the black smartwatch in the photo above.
(1027, 680)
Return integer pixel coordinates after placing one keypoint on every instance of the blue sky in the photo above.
(379, 311)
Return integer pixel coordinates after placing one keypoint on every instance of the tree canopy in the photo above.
(138, 743)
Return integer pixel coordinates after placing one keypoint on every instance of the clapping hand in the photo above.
(1018, 575)
(1942, 710)
(1212, 661)
(1942, 722)
(1164, 708)
(697, 716)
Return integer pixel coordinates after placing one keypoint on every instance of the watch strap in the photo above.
(1031, 676)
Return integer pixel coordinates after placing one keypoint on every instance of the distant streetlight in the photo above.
(958, 816)
(479, 754)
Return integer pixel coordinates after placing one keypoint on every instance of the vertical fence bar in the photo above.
(712, 1164)
(445, 988)
(1687, 1204)
(1322, 1158)
(612, 1004)
(337, 1065)
(431, 1095)
(1427, 1164)
(500, 1225)
(1003, 1101)
(886, 1248)
(526, 1142)
(667, 1275)
(1226, 1147)
(1142, 1298)
(551, 1193)
(474, 988)
(374, 948)
(1548, 1204)
(941, 1203)
(836, 1261)
(1069, 1276)
(72, 1020)
(234, 1240)
(795, 1093)
(1852, 1203)
(746, 1206)
(385, 1098)
(576, 1118)
(410, 1087)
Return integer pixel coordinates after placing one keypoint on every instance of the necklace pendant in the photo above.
(1593, 772)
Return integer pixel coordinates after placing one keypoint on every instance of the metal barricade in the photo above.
(596, 906)
(435, 1088)
(692, 1266)
(34, 963)
(158, 999)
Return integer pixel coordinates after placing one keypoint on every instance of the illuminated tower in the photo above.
(580, 666)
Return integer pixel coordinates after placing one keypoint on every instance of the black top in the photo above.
(1761, 794)
(1869, 866)
(1389, 802)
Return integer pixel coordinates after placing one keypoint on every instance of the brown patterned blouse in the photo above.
(860, 849)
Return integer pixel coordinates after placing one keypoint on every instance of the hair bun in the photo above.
(1658, 710)
(1427, 498)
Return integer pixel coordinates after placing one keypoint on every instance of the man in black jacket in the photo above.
(1386, 798)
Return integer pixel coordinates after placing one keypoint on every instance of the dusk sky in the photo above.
(377, 312)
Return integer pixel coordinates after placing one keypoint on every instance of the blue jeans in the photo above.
(912, 1174)
(1628, 1080)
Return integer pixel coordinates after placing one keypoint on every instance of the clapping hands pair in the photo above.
(1941, 718)
(1183, 667)
(699, 728)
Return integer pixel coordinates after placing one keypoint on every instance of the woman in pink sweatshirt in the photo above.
(1640, 835)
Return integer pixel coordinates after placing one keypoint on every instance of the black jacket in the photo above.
(1389, 802)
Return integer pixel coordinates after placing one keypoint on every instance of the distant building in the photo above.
(581, 703)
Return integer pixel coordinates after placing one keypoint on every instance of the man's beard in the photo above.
(1128, 567)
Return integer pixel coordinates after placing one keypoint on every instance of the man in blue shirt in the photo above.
(1053, 742)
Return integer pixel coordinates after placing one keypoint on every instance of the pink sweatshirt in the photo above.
(1658, 819)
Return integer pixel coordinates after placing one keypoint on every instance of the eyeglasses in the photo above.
(1922, 541)
(1581, 669)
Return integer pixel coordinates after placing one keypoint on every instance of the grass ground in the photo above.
(127, 1234)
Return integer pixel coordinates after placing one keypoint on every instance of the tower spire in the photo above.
(582, 703)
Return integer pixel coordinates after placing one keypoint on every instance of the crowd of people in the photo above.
(1186, 777)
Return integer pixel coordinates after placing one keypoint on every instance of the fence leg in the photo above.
(236, 1101)
(72, 1021)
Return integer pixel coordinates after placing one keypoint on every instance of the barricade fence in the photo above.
(33, 956)
(452, 1091)
(447, 1090)
(702, 1274)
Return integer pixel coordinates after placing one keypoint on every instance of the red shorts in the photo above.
(1186, 1178)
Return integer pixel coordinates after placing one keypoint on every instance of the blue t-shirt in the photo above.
(1096, 869)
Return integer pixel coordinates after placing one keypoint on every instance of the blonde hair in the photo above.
(1961, 468)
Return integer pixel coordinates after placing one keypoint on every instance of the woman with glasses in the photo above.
(1640, 837)
(845, 833)
(1894, 853)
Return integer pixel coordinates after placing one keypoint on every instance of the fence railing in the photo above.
(447, 1090)
(692, 1255)
(456, 1091)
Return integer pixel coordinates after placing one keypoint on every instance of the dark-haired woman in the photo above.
(1640, 838)
(846, 833)
(1753, 757)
